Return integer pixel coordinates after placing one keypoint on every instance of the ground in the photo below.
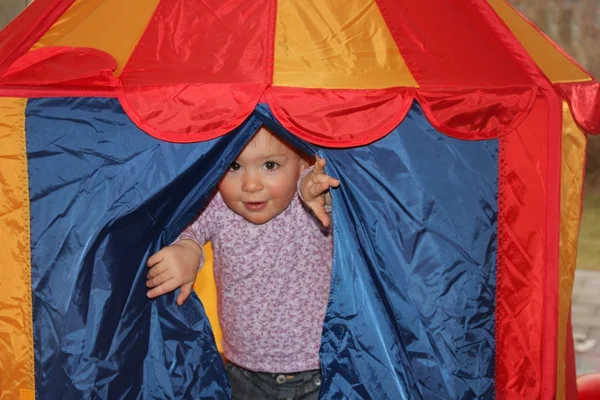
(585, 313)
(589, 239)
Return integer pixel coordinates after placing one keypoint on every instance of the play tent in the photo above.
(456, 128)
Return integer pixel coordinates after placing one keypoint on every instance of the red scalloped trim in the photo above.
(477, 114)
(339, 118)
(584, 101)
(331, 118)
(190, 113)
(328, 117)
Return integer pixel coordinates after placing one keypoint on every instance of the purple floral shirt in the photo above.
(272, 284)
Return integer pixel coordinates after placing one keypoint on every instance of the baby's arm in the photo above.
(176, 266)
(314, 190)
(172, 267)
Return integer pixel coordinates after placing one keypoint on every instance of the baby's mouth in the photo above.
(255, 205)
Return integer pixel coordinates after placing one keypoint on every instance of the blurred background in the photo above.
(575, 26)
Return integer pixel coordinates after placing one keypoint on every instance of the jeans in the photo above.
(249, 385)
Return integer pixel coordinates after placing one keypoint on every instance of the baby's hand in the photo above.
(172, 267)
(314, 190)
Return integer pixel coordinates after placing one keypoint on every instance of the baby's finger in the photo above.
(317, 189)
(321, 178)
(186, 290)
(332, 181)
(165, 287)
(319, 166)
(159, 279)
(321, 214)
(156, 270)
(155, 258)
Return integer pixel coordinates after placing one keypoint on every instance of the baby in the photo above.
(272, 263)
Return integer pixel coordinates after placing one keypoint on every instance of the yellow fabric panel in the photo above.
(336, 45)
(16, 330)
(574, 144)
(113, 26)
(556, 66)
(206, 289)
(27, 394)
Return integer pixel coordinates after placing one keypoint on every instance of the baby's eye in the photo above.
(271, 165)
(235, 166)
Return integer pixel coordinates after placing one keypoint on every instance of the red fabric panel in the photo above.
(552, 238)
(190, 113)
(200, 68)
(584, 102)
(457, 43)
(25, 30)
(339, 118)
(477, 113)
(527, 266)
(209, 41)
(62, 66)
(588, 387)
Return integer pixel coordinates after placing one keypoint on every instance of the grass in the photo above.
(588, 256)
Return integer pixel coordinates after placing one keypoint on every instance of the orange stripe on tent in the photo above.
(554, 63)
(573, 163)
(16, 331)
(113, 26)
(336, 45)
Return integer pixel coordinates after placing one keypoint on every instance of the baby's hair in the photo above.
(305, 156)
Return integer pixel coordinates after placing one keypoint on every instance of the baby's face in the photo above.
(261, 183)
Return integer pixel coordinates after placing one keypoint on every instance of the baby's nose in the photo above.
(252, 183)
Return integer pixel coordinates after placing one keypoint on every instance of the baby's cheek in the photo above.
(284, 192)
(228, 191)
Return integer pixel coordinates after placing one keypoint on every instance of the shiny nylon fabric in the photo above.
(16, 341)
(411, 312)
(80, 24)
(336, 44)
(21, 34)
(528, 255)
(584, 102)
(230, 53)
(555, 64)
(104, 195)
(574, 144)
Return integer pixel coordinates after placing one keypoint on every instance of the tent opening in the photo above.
(205, 286)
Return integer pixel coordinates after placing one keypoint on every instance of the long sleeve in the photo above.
(202, 229)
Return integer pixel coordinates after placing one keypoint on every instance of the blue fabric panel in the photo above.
(412, 298)
(411, 309)
(104, 196)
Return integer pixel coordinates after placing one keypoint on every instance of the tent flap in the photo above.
(584, 101)
(190, 113)
(121, 195)
(62, 66)
(477, 113)
(340, 118)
